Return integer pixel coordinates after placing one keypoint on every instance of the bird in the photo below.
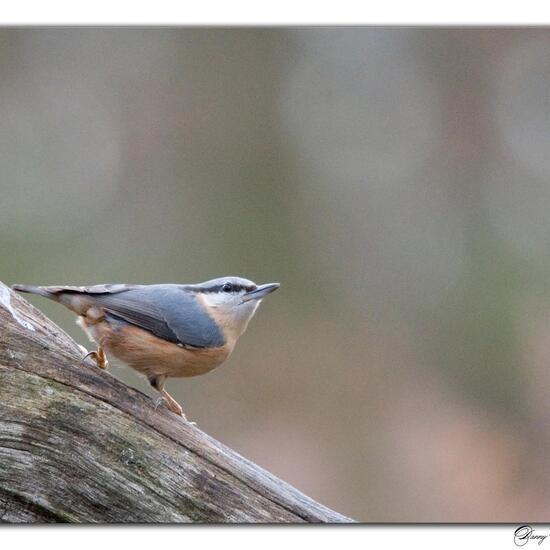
(162, 330)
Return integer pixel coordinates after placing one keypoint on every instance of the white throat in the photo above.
(230, 311)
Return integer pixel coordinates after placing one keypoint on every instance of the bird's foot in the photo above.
(172, 405)
(158, 401)
(99, 357)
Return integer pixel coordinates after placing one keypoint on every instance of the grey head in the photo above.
(231, 301)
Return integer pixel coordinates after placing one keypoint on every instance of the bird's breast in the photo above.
(150, 355)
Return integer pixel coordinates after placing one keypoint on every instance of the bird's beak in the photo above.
(260, 292)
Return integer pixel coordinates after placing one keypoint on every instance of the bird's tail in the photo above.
(40, 290)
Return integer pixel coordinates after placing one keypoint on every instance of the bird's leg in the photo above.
(99, 357)
(158, 383)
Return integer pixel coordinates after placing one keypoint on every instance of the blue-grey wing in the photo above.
(167, 311)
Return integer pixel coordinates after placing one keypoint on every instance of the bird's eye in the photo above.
(227, 287)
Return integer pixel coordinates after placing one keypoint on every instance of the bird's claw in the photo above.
(99, 357)
(161, 400)
(158, 401)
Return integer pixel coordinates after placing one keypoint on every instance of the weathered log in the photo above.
(78, 445)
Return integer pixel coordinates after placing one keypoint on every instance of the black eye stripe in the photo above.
(235, 288)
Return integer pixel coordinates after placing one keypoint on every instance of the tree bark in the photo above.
(78, 445)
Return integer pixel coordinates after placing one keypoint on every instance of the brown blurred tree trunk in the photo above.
(77, 445)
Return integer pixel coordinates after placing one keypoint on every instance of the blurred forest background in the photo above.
(396, 181)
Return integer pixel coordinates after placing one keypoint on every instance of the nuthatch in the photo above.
(166, 330)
